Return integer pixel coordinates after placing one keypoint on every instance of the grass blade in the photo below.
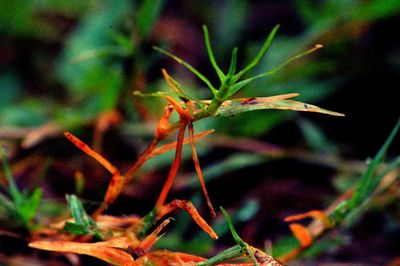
(210, 53)
(364, 187)
(237, 238)
(189, 67)
(16, 196)
(29, 209)
(241, 105)
(260, 54)
(232, 66)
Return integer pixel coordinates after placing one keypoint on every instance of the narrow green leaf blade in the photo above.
(364, 187)
(211, 56)
(29, 209)
(189, 67)
(260, 54)
(16, 196)
(237, 86)
(230, 253)
(84, 224)
(78, 212)
(232, 67)
(237, 238)
(235, 235)
(237, 106)
(76, 229)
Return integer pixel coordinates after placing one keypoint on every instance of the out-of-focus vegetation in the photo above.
(73, 65)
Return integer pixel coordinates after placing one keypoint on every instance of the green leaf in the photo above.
(30, 207)
(84, 224)
(189, 67)
(237, 238)
(91, 36)
(315, 137)
(260, 54)
(148, 14)
(76, 229)
(367, 184)
(148, 221)
(237, 86)
(78, 212)
(237, 106)
(364, 188)
(234, 88)
(21, 206)
(16, 196)
(227, 254)
(235, 235)
(210, 53)
(232, 67)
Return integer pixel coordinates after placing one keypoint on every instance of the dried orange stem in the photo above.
(118, 182)
(169, 79)
(85, 148)
(198, 169)
(189, 208)
(182, 113)
(141, 160)
(315, 214)
(302, 234)
(174, 168)
(149, 241)
(172, 145)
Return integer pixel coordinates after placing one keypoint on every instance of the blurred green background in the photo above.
(65, 65)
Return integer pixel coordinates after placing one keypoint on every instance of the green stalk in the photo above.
(230, 253)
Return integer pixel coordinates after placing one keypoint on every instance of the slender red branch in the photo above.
(189, 208)
(174, 168)
(198, 169)
(85, 148)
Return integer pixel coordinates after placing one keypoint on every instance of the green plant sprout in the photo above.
(240, 250)
(21, 207)
(83, 224)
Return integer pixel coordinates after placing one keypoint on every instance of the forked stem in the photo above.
(174, 168)
(198, 169)
(191, 210)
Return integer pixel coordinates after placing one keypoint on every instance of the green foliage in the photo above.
(367, 185)
(21, 208)
(242, 248)
(315, 137)
(231, 83)
(83, 224)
